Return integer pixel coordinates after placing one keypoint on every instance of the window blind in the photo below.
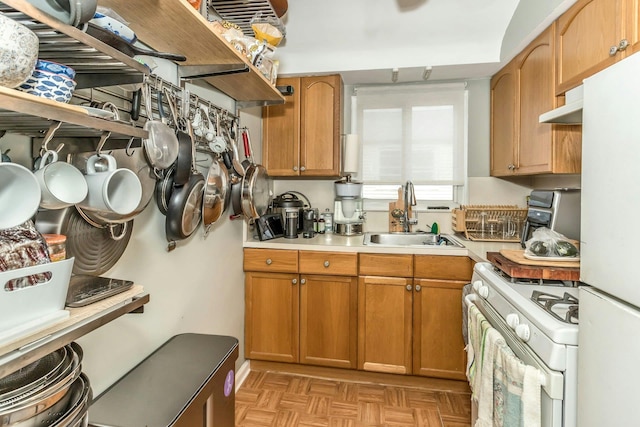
(412, 132)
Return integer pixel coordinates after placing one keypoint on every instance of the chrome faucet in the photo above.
(409, 200)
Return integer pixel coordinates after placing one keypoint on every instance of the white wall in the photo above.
(198, 287)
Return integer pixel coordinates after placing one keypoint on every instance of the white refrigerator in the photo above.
(609, 334)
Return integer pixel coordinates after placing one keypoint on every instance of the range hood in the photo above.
(568, 114)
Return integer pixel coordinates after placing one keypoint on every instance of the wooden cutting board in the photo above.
(517, 255)
(523, 271)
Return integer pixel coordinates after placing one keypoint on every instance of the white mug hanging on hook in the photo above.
(20, 191)
(115, 190)
(61, 183)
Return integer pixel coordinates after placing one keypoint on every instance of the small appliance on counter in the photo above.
(349, 212)
(558, 210)
(291, 208)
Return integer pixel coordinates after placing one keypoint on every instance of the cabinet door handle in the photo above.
(409, 288)
(303, 281)
(268, 261)
(295, 168)
(302, 169)
(326, 264)
(622, 46)
(418, 288)
(294, 281)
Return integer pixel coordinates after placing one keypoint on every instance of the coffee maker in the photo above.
(348, 208)
(557, 209)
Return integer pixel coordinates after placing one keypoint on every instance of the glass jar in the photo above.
(57, 246)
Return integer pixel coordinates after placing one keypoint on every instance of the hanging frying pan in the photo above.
(184, 212)
(255, 192)
(216, 194)
(256, 195)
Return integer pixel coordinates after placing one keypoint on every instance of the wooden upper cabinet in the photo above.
(586, 34)
(302, 137)
(520, 92)
(503, 126)
(281, 133)
(535, 94)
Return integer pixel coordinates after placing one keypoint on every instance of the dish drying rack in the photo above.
(466, 219)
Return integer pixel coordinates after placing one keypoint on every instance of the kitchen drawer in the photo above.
(395, 265)
(274, 260)
(332, 263)
(443, 267)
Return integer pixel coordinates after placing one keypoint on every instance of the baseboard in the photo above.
(242, 373)
(362, 376)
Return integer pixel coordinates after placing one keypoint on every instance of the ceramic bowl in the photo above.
(18, 52)
(115, 26)
(57, 87)
(55, 68)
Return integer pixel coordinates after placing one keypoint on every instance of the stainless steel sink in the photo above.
(411, 239)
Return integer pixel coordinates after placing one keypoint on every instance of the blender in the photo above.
(348, 208)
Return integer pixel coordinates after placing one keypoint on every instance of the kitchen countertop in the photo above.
(333, 242)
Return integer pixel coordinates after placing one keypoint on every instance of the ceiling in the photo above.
(365, 39)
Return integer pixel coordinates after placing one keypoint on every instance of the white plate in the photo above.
(551, 258)
(97, 112)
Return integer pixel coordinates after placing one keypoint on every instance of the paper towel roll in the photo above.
(351, 154)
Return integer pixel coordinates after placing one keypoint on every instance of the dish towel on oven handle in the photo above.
(507, 391)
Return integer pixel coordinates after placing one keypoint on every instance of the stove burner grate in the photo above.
(548, 302)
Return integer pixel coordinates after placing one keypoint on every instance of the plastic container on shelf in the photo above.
(30, 308)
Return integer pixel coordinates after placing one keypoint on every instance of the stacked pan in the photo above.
(51, 391)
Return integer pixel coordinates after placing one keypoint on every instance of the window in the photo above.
(412, 132)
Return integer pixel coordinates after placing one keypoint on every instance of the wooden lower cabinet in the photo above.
(385, 324)
(272, 308)
(300, 317)
(410, 324)
(438, 347)
(328, 320)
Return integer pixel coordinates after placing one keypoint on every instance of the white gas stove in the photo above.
(539, 321)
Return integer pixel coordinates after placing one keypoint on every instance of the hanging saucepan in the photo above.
(216, 194)
(184, 212)
(94, 250)
(161, 146)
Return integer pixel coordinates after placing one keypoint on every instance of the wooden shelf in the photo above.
(175, 26)
(28, 114)
(28, 349)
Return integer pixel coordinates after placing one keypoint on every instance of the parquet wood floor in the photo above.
(287, 400)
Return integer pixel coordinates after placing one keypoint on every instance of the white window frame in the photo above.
(459, 187)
